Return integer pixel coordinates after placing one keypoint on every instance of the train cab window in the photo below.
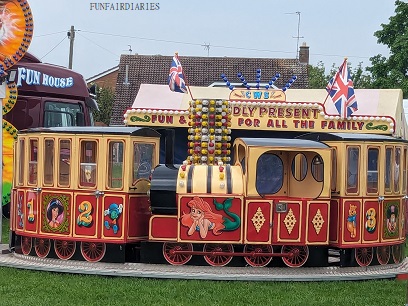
(115, 164)
(32, 163)
(353, 164)
(372, 170)
(388, 169)
(143, 156)
(88, 166)
(48, 162)
(334, 170)
(269, 174)
(299, 167)
(317, 168)
(64, 168)
(21, 163)
(397, 163)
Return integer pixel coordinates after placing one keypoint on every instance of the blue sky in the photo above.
(257, 28)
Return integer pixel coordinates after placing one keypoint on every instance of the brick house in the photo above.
(106, 79)
(134, 70)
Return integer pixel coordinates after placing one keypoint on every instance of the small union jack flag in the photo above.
(341, 91)
(176, 76)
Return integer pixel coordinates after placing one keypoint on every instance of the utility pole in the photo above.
(71, 36)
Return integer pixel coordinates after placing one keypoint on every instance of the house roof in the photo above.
(102, 74)
(135, 70)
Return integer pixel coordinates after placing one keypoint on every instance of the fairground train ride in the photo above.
(268, 177)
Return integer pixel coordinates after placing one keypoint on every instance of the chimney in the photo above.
(304, 54)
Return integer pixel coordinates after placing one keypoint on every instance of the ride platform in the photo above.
(165, 271)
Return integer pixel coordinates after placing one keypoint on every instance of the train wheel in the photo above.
(170, 249)
(93, 251)
(257, 261)
(383, 254)
(397, 253)
(364, 256)
(299, 257)
(64, 249)
(218, 260)
(26, 245)
(42, 247)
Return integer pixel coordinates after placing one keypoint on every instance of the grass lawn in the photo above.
(25, 287)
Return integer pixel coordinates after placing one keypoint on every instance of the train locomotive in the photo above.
(100, 193)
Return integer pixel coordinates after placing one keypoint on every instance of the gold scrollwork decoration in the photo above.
(318, 221)
(290, 221)
(258, 219)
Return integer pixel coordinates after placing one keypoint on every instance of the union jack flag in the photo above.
(341, 91)
(176, 77)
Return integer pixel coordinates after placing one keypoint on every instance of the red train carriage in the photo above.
(274, 201)
(368, 202)
(82, 192)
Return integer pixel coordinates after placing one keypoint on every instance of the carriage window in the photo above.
(48, 162)
(404, 171)
(269, 174)
(372, 170)
(143, 156)
(32, 164)
(21, 163)
(317, 168)
(388, 163)
(299, 167)
(115, 164)
(64, 169)
(88, 163)
(397, 167)
(334, 170)
(353, 157)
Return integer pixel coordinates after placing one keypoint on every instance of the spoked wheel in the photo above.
(93, 251)
(26, 245)
(383, 254)
(170, 252)
(364, 256)
(397, 253)
(64, 249)
(42, 247)
(257, 261)
(300, 254)
(218, 260)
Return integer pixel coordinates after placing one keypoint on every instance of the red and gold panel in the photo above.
(31, 212)
(391, 219)
(290, 223)
(318, 223)
(19, 210)
(163, 228)
(138, 217)
(258, 220)
(86, 214)
(371, 224)
(55, 213)
(352, 221)
(206, 219)
(334, 221)
(113, 216)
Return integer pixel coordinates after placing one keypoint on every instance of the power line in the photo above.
(53, 48)
(97, 44)
(50, 34)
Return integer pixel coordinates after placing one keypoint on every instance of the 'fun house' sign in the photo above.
(268, 110)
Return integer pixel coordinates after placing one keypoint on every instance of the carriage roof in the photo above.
(283, 142)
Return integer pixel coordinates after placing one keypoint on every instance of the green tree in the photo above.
(105, 98)
(392, 72)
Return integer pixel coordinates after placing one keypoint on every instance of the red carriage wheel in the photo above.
(42, 247)
(300, 254)
(364, 256)
(170, 250)
(218, 260)
(26, 245)
(93, 251)
(383, 254)
(64, 249)
(258, 261)
(397, 253)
